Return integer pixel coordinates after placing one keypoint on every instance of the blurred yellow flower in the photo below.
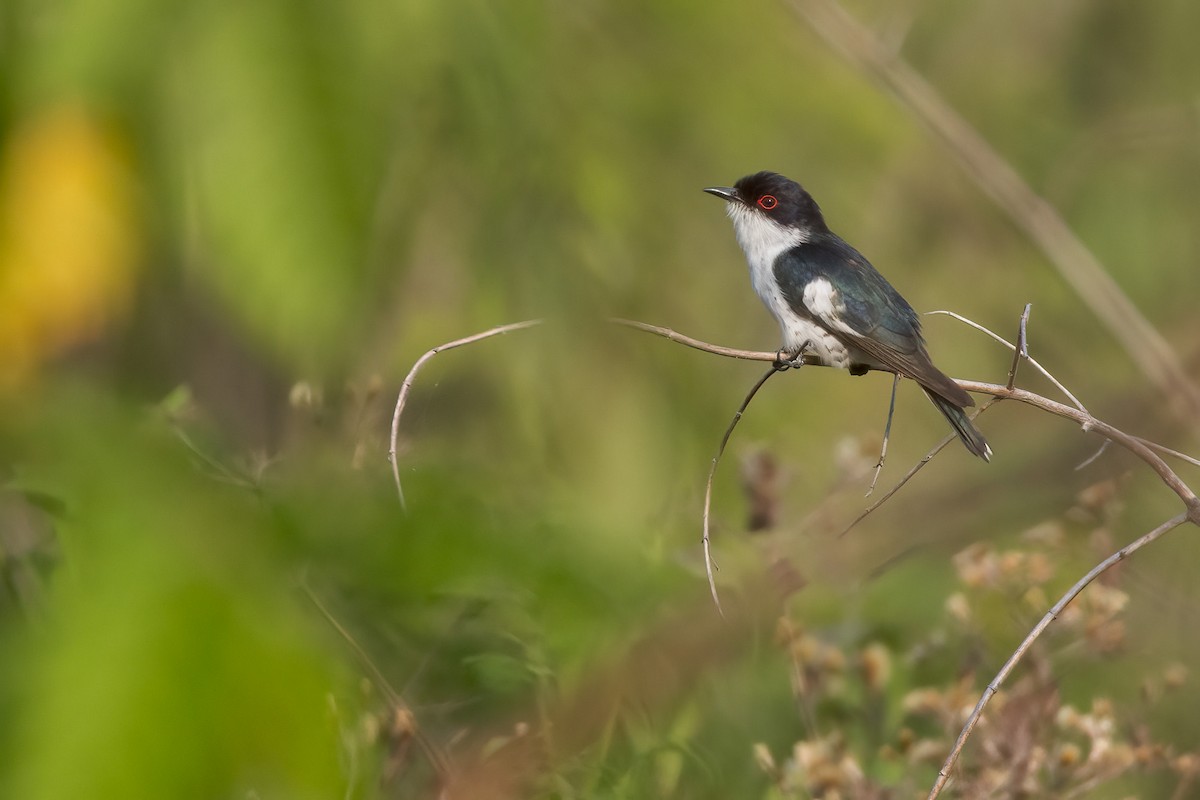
(68, 237)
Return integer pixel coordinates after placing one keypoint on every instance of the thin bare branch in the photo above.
(1084, 419)
(1045, 373)
(1092, 425)
(712, 471)
(1155, 446)
(1058, 385)
(406, 387)
(432, 752)
(1094, 456)
(1051, 615)
(1031, 212)
(1022, 348)
(674, 336)
(1195, 462)
(887, 432)
(920, 465)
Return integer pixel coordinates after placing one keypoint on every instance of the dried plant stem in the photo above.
(1022, 348)
(712, 471)
(1158, 448)
(1051, 615)
(920, 465)
(1058, 385)
(675, 336)
(887, 433)
(1031, 212)
(406, 387)
(437, 758)
(1092, 425)
(1033, 361)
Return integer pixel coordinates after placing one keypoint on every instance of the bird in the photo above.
(829, 300)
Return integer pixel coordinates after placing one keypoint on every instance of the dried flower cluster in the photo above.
(873, 733)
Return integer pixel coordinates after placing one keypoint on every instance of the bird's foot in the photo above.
(785, 360)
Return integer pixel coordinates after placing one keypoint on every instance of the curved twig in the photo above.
(712, 471)
(1033, 361)
(920, 465)
(406, 387)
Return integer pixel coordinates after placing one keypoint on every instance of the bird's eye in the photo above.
(767, 202)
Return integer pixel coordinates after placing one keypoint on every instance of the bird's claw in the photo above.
(785, 360)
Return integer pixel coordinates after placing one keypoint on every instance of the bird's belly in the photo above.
(798, 331)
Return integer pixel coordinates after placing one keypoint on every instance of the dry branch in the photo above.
(1139, 447)
(712, 471)
(920, 465)
(1078, 265)
(1033, 361)
(1090, 424)
(406, 387)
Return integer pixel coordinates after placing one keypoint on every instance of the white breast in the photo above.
(762, 240)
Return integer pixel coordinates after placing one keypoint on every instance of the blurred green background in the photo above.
(228, 229)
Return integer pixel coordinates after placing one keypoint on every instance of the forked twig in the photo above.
(712, 471)
(1091, 424)
(406, 387)
(920, 465)
(1033, 361)
(1046, 374)
(1051, 615)
(1022, 348)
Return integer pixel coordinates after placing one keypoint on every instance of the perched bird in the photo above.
(827, 297)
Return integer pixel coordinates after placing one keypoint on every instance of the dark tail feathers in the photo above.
(970, 435)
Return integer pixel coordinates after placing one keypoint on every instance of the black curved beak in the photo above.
(726, 193)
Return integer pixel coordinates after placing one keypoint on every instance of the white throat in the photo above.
(763, 240)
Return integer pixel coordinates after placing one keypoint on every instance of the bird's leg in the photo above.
(785, 360)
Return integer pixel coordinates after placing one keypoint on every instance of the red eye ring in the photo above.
(767, 202)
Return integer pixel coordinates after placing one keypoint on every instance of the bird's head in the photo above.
(768, 198)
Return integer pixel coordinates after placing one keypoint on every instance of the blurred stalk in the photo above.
(1032, 213)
